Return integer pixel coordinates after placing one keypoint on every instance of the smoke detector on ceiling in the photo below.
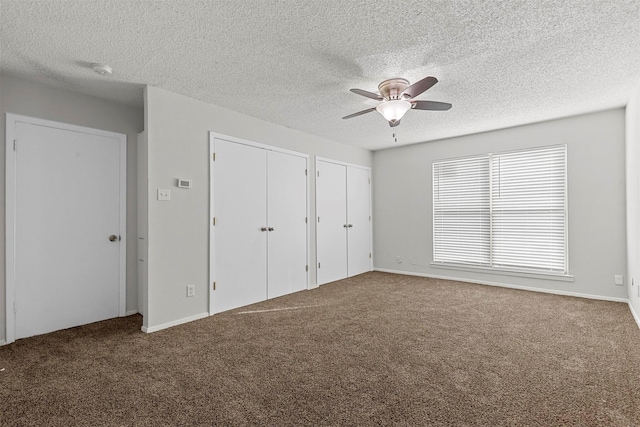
(102, 69)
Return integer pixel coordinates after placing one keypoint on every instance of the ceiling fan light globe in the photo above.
(393, 110)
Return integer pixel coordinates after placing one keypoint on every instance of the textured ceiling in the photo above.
(292, 62)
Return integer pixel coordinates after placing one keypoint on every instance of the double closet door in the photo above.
(343, 207)
(259, 240)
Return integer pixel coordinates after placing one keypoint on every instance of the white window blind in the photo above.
(528, 209)
(461, 211)
(503, 211)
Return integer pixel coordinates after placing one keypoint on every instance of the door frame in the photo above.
(212, 138)
(368, 169)
(10, 210)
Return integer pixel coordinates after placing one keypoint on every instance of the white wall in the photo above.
(178, 146)
(633, 199)
(402, 188)
(36, 100)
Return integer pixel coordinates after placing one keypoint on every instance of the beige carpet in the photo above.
(376, 349)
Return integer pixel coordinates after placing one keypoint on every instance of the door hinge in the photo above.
(369, 254)
(318, 174)
(369, 217)
(318, 265)
(214, 221)
(14, 145)
(369, 180)
(306, 219)
(214, 157)
(15, 306)
(318, 219)
(214, 286)
(305, 172)
(306, 267)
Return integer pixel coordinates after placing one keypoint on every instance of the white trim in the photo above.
(131, 312)
(338, 162)
(173, 323)
(370, 220)
(2, 342)
(10, 219)
(212, 246)
(504, 272)
(215, 135)
(634, 314)
(308, 223)
(212, 138)
(123, 222)
(10, 207)
(504, 285)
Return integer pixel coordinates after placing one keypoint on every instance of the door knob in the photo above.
(113, 238)
(345, 226)
(270, 228)
(350, 225)
(263, 228)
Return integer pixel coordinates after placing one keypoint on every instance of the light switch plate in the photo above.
(164, 194)
(617, 279)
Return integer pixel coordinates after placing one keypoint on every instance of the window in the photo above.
(503, 211)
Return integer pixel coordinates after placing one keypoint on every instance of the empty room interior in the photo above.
(286, 212)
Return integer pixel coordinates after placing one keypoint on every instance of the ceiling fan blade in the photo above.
(420, 86)
(367, 94)
(368, 110)
(394, 124)
(430, 105)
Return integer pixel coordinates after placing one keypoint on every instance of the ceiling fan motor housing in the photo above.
(393, 88)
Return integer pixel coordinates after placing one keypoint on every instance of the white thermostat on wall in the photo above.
(184, 183)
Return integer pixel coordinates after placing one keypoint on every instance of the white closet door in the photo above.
(287, 236)
(240, 245)
(331, 221)
(67, 205)
(359, 225)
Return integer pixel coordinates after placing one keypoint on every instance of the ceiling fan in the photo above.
(397, 98)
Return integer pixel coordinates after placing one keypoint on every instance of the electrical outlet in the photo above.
(617, 279)
(191, 290)
(164, 194)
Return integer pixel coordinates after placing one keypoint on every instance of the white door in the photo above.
(240, 233)
(67, 205)
(358, 219)
(287, 236)
(331, 222)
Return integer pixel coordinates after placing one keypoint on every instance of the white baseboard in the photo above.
(635, 315)
(2, 342)
(131, 312)
(174, 323)
(504, 285)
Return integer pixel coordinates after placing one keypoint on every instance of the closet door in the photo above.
(331, 222)
(287, 235)
(240, 233)
(358, 220)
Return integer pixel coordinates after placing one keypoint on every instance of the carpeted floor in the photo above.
(376, 349)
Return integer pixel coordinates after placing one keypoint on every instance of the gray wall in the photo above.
(40, 101)
(402, 210)
(178, 231)
(633, 200)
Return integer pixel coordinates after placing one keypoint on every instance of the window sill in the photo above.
(504, 272)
